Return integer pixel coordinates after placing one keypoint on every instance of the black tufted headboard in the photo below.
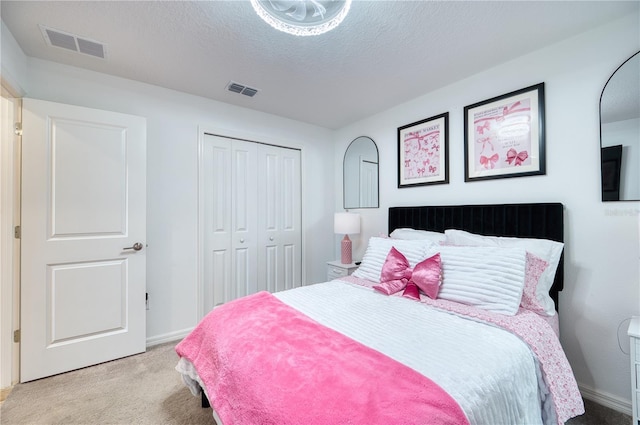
(543, 221)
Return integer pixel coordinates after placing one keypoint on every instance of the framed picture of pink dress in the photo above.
(423, 152)
(504, 136)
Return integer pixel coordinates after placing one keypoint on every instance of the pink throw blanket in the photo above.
(263, 362)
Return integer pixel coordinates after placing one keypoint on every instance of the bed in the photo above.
(466, 336)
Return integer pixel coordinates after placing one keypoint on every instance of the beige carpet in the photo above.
(145, 389)
(141, 389)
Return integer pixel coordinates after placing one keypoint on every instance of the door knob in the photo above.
(136, 247)
(241, 240)
(271, 238)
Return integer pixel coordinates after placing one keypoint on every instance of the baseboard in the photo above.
(168, 337)
(605, 399)
(4, 393)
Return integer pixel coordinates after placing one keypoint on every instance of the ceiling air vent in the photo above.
(74, 43)
(248, 91)
(241, 89)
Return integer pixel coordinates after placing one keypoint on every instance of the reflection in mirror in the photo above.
(360, 177)
(620, 133)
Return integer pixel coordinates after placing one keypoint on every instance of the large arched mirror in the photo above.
(360, 177)
(620, 133)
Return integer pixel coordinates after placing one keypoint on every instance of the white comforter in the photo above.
(491, 373)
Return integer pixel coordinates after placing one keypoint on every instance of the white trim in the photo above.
(168, 337)
(200, 238)
(605, 399)
(6, 251)
(303, 222)
(248, 136)
(9, 246)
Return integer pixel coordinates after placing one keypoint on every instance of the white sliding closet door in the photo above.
(250, 218)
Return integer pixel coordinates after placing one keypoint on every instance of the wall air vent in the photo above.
(74, 43)
(241, 89)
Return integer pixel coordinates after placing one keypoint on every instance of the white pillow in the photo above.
(490, 278)
(414, 234)
(378, 249)
(548, 250)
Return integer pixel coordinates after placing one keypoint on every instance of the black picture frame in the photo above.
(504, 136)
(423, 152)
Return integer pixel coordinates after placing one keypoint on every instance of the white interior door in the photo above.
(83, 212)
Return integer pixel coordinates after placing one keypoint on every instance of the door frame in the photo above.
(203, 131)
(10, 166)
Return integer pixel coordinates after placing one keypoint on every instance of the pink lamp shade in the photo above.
(345, 224)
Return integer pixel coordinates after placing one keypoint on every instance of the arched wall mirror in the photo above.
(620, 133)
(360, 178)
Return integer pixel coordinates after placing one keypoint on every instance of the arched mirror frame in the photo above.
(360, 174)
(620, 163)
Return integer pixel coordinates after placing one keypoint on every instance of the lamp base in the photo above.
(346, 250)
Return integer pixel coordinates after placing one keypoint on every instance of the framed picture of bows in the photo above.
(504, 136)
(423, 152)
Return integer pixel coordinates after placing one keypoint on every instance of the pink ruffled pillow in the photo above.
(396, 275)
(534, 268)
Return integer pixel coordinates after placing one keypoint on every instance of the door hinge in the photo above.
(16, 335)
(17, 232)
(17, 129)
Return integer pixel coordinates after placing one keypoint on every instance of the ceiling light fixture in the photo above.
(302, 17)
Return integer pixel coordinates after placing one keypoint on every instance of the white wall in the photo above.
(12, 60)
(173, 120)
(601, 239)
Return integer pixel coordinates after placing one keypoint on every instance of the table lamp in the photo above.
(346, 223)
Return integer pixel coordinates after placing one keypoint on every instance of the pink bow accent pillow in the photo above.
(397, 275)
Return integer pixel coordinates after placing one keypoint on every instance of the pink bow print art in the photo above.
(489, 161)
(481, 128)
(518, 157)
(396, 275)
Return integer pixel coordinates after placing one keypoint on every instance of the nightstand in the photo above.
(336, 269)
(634, 334)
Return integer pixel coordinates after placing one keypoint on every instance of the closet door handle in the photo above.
(241, 240)
(271, 238)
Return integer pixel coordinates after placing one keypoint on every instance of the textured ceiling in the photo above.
(384, 53)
